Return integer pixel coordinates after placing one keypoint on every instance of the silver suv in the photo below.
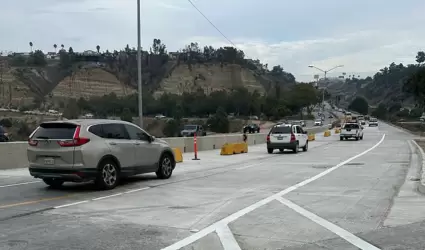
(96, 150)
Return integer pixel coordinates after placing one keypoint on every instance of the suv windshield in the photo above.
(55, 131)
(281, 130)
(351, 126)
(190, 127)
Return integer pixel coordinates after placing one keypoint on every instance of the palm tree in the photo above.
(98, 48)
(62, 46)
(55, 46)
(31, 44)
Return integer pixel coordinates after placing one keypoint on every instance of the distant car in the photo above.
(4, 136)
(330, 116)
(351, 130)
(191, 130)
(251, 128)
(287, 136)
(96, 150)
(373, 122)
(318, 123)
(362, 122)
(303, 124)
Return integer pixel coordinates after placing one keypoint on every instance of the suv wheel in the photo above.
(108, 175)
(297, 148)
(166, 166)
(270, 150)
(54, 183)
(305, 148)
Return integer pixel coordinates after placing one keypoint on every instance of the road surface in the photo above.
(338, 195)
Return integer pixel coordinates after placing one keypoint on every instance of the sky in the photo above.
(362, 35)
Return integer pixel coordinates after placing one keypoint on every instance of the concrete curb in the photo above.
(421, 183)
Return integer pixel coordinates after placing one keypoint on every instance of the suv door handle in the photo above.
(112, 143)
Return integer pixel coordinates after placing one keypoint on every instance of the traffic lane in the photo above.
(356, 197)
(168, 213)
(35, 196)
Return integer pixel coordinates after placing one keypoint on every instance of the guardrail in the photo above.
(14, 155)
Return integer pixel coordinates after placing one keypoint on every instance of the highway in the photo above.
(337, 195)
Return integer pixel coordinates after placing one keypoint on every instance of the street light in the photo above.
(325, 72)
(139, 65)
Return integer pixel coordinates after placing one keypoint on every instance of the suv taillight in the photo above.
(76, 141)
(293, 137)
(31, 142)
(268, 138)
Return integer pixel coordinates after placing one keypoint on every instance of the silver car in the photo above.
(96, 150)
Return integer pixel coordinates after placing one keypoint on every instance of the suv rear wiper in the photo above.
(42, 137)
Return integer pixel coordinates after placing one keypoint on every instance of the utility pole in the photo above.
(139, 65)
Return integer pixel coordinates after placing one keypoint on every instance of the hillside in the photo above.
(386, 86)
(210, 77)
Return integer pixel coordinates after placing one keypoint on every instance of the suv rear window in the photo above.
(373, 120)
(281, 130)
(55, 131)
(351, 126)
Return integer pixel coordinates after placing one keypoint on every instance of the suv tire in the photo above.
(166, 166)
(305, 148)
(270, 150)
(54, 183)
(108, 175)
(297, 148)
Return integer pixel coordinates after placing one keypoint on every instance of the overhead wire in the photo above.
(212, 24)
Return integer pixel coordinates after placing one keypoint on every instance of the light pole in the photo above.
(325, 72)
(139, 65)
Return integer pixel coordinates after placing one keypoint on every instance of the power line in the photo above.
(212, 24)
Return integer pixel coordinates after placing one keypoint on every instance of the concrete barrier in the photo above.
(178, 155)
(421, 153)
(234, 148)
(14, 155)
(327, 133)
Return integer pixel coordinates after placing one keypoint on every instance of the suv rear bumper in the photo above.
(74, 175)
(282, 145)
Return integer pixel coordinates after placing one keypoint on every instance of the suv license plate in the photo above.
(49, 161)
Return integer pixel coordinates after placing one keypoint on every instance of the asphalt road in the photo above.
(338, 195)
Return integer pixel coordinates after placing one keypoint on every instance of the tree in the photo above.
(219, 122)
(158, 48)
(31, 44)
(359, 104)
(98, 48)
(37, 59)
(71, 111)
(56, 47)
(381, 112)
(420, 57)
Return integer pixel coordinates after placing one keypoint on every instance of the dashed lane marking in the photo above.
(19, 184)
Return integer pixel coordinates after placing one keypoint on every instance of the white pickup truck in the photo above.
(351, 130)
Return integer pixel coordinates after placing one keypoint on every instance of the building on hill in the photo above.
(52, 55)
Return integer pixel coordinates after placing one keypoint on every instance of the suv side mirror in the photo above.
(305, 132)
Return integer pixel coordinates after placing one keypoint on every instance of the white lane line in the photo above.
(351, 238)
(102, 197)
(194, 237)
(136, 190)
(227, 238)
(71, 204)
(19, 184)
(106, 197)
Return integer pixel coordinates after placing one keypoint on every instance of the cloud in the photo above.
(362, 35)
